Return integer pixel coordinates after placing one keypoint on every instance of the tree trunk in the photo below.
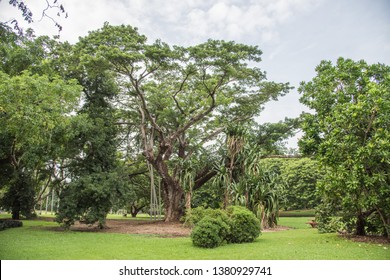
(15, 208)
(134, 210)
(188, 200)
(173, 200)
(360, 225)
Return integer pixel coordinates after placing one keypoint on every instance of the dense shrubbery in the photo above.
(195, 215)
(214, 227)
(245, 227)
(210, 233)
(4, 224)
(301, 176)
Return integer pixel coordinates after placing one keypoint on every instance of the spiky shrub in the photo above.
(210, 233)
(245, 227)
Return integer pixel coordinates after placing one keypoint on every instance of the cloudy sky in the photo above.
(294, 35)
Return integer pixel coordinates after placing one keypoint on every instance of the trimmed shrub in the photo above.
(210, 232)
(193, 217)
(214, 227)
(245, 227)
(4, 224)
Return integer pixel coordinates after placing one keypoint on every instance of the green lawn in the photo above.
(298, 213)
(37, 240)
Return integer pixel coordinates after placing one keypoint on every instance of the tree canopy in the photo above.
(180, 97)
(105, 121)
(349, 134)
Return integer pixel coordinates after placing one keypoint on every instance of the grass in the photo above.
(141, 216)
(298, 213)
(38, 240)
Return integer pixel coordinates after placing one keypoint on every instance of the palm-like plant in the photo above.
(246, 182)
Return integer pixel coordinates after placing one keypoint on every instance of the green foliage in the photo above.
(245, 227)
(193, 216)
(179, 97)
(19, 195)
(88, 199)
(300, 176)
(4, 224)
(214, 227)
(245, 181)
(326, 221)
(32, 108)
(349, 134)
(271, 136)
(210, 232)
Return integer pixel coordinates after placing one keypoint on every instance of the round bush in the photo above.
(245, 227)
(193, 217)
(210, 232)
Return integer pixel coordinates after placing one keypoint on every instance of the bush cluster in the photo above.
(215, 227)
(4, 224)
(245, 227)
(210, 233)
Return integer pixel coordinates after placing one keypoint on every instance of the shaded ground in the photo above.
(145, 227)
(367, 238)
(138, 227)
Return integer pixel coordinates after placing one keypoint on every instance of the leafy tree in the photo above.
(270, 136)
(31, 108)
(96, 183)
(137, 196)
(181, 96)
(349, 134)
(300, 176)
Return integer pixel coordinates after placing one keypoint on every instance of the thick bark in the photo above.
(172, 191)
(203, 177)
(16, 210)
(173, 198)
(134, 210)
(361, 222)
(360, 225)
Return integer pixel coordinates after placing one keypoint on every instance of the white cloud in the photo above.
(295, 35)
(176, 20)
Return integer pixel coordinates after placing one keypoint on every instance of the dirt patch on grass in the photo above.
(160, 228)
(148, 227)
(277, 228)
(367, 239)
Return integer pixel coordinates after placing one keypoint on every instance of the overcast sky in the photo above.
(294, 35)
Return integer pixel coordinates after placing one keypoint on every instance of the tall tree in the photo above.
(34, 110)
(349, 134)
(93, 148)
(31, 108)
(182, 96)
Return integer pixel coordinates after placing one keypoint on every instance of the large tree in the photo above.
(35, 104)
(349, 133)
(91, 158)
(181, 97)
(31, 108)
